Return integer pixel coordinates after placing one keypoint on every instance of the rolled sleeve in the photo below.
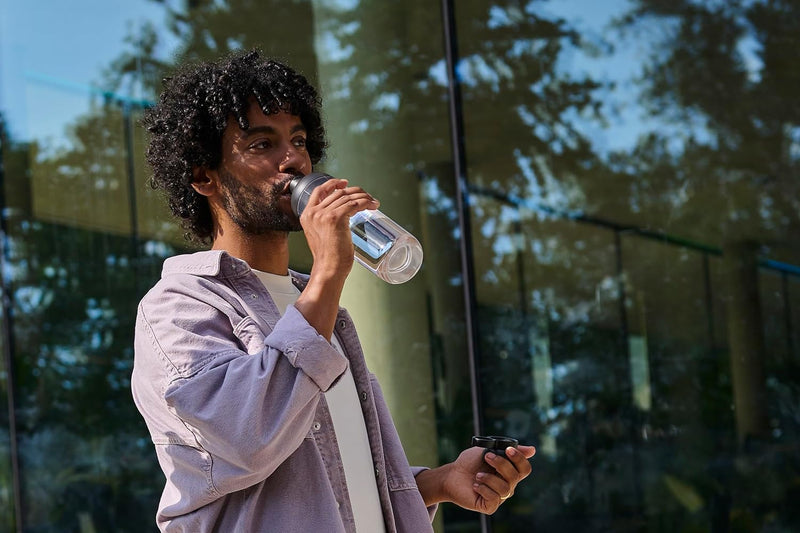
(431, 508)
(306, 349)
(242, 413)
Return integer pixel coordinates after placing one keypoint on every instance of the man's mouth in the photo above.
(283, 190)
(285, 186)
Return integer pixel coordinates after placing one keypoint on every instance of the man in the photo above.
(250, 377)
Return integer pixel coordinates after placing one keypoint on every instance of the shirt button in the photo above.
(317, 425)
(377, 472)
(253, 296)
(342, 324)
(363, 396)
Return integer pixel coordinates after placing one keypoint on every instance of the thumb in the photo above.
(527, 451)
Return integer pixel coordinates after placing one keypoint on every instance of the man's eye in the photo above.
(261, 144)
(300, 142)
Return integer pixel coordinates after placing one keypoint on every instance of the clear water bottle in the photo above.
(381, 245)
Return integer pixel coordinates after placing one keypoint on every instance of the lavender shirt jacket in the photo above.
(232, 396)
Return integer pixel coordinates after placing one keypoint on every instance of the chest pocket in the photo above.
(250, 335)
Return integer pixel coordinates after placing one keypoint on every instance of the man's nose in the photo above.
(293, 159)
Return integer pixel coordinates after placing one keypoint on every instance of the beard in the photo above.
(256, 212)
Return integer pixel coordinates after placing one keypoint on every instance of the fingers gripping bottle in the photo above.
(381, 245)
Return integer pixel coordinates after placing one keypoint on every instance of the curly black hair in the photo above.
(187, 123)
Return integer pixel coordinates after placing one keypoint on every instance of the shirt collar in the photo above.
(216, 263)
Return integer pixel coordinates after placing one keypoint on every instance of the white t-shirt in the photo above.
(348, 423)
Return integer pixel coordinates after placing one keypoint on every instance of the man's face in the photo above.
(256, 168)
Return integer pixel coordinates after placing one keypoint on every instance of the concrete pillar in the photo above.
(392, 320)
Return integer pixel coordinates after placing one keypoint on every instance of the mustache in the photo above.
(283, 186)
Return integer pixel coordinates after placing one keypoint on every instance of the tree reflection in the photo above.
(70, 272)
(724, 77)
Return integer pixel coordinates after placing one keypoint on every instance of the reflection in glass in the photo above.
(631, 172)
(88, 237)
(648, 127)
(73, 271)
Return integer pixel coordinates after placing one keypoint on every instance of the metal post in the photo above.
(462, 199)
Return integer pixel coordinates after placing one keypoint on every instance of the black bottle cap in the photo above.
(494, 442)
(301, 188)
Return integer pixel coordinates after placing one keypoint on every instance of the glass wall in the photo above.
(632, 170)
(76, 258)
(631, 300)
(85, 237)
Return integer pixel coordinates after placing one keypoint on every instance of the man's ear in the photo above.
(205, 181)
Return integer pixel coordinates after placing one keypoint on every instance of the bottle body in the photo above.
(384, 247)
(381, 245)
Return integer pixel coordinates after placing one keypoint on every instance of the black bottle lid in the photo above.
(301, 188)
(494, 442)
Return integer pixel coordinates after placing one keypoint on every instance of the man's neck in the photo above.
(268, 252)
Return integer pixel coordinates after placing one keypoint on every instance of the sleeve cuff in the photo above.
(306, 349)
(432, 508)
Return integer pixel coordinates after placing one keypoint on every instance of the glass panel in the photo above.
(553, 365)
(88, 236)
(74, 266)
(649, 125)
